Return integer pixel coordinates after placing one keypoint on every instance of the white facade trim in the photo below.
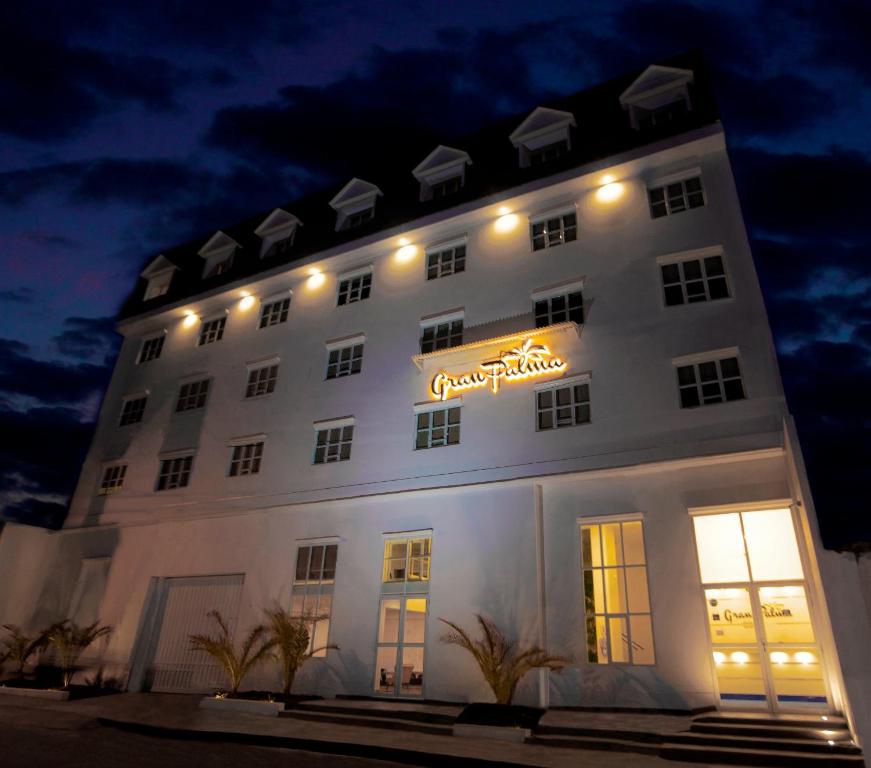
(443, 245)
(744, 506)
(626, 517)
(176, 454)
(438, 405)
(570, 286)
(287, 293)
(344, 421)
(136, 395)
(704, 357)
(366, 269)
(419, 534)
(695, 253)
(568, 381)
(262, 362)
(671, 178)
(247, 439)
(345, 341)
(443, 317)
(550, 212)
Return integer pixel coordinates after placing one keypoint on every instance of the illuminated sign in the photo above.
(520, 363)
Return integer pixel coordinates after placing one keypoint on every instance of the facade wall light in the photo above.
(316, 279)
(507, 222)
(247, 302)
(406, 253)
(610, 191)
(190, 320)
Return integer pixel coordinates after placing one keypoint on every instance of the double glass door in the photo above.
(763, 645)
(401, 636)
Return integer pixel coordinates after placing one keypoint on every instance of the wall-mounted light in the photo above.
(247, 301)
(403, 241)
(506, 221)
(610, 190)
(406, 253)
(190, 319)
(316, 279)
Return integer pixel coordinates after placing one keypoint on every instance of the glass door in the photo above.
(763, 644)
(401, 635)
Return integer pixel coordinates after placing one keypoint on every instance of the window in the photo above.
(559, 309)
(447, 187)
(676, 197)
(441, 336)
(693, 280)
(132, 411)
(446, 261)
(360, 217)
(212, 330)
(274, 312)
(218, 267)
(192, 395)
(262, 380)
(344, 361)
(174, 472)
(333, 444)
(151, 348)
(553, 231)
(437, 428)
(113, 479)
(709, 382)
(355, 289)
(158, 286)
(281, 247)
(668, 113)
(246, 459)
(312, 597)
(548, 153)
(407, 559)
(563, 406)
(616, 599)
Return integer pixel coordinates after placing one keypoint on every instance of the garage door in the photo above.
(183, 611)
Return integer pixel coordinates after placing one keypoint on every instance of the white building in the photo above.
(530, 378)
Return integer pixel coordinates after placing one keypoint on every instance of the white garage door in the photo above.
(186, 603)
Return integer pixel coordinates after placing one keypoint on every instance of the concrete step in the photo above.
(785, 721)
(368, 720)
(600, 741)
(815, 746)
(772, 731)
(757, 757)
(398, 713)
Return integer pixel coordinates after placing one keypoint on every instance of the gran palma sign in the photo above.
(524, 362)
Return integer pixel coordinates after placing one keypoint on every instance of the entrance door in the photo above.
(763, 644)
(401, 634)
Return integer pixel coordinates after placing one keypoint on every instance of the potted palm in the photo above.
(503, 663)
(236, 664)
(69, 641)
(291, 637)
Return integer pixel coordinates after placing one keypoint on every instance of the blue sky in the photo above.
(129, 127)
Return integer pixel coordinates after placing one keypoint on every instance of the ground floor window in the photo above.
(616, 599)
(312, 598)
(401, 636)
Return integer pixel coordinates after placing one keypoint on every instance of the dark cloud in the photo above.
(813, 197)
(17, 295)
(794, 265)
(55, 382)
(33, 511)
(88, 338)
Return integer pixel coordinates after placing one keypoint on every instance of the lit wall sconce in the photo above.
(247, 301)
(316, 279)
(610, 190)
(190, 319)
(507, 221)
(406, 253)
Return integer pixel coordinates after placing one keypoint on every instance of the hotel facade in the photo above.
(530, 377)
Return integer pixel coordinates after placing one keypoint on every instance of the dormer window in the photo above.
(355, 204)
(442, 173)
(658, 97)
(277, 232)
(543, 137)
(159, 276)
(218, 254)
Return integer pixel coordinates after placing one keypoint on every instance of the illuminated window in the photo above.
(548, 153)
(559, 309)
(212, 331)
(261, 381)
(445, 261)
(113, 479)
(274, 312)
(441, 336)
(407, 559)
(694, 280)
(558, 407)
(677, 197)
(333, 444)
(616, 600)
(553, 231)
(437, 428)
(175, 472)
(312, 597)
(151, 348)
(450, 186)
(710, 382)
(345, 361)
(246, 459)
(355, 289)
(192, 395)
(132, 411)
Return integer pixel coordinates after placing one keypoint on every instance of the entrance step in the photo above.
(748, 718)
(602, 740)
(811, 746)
(756, 757)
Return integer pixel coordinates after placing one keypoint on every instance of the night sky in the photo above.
(127, 127)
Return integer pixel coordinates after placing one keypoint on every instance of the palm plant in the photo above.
(70, 640)
(236, 664)
(291, 637)
(502, 661)
(18, 647)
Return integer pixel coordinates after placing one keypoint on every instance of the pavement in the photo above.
(145, 729)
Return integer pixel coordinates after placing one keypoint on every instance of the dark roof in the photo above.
(603, 130)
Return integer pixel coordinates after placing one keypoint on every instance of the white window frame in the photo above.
(250, 449)
(338, 346)
(129, 399)
(255, 380)
(159, 339)
(364, 275)
(307, 588)
(112, 478)
(569, 382)
(212, 336)
(430, 407)
(715, 357)
(437, 250)
(700, 255)
(328, 426)
(268, 314)
(545, 218)
(173, 457)
(189, 382)
(663, 183)
(442, 319)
